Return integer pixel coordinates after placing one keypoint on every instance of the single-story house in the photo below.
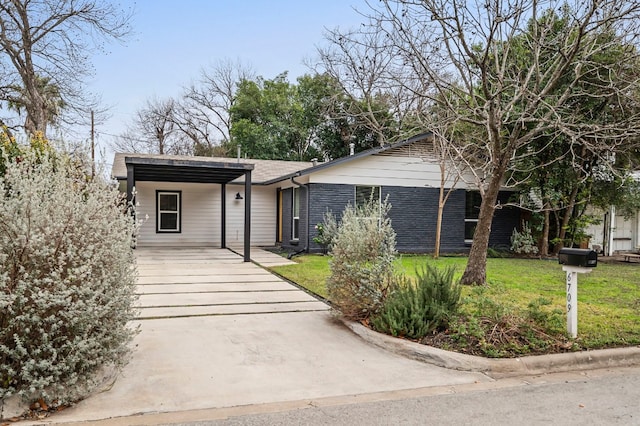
(204, 201)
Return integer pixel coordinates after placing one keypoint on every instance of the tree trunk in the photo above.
(441, 202)
(436, 253)
(565, 219)
(476, 270)
(544, 243)
(33, 120)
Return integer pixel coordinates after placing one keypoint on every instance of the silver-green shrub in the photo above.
(67, 278)
(362, 267)
(523, 242)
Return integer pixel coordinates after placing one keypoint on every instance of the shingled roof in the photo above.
(264, 170)
(270, 171)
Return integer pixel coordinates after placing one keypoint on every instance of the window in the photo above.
(364, 193)
(295, 225)
(471, 213)
(168, 206)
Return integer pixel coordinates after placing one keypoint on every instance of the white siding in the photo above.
(263, 216)
(624, 237)
(384, 170)
(201, 215)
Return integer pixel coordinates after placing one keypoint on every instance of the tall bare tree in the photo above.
(367, 73)
(203, 113)
(471, 52)
(48, 40)
(154, 131)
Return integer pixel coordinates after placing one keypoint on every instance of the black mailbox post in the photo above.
(578, 257)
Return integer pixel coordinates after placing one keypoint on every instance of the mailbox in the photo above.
(578, 257)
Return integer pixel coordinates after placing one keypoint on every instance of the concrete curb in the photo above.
(500, 368)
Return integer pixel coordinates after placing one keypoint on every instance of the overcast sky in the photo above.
(173, 40)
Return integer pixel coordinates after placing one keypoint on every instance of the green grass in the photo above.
(310, 271)
(608, 297)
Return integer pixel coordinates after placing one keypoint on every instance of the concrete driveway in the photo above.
(218, 332)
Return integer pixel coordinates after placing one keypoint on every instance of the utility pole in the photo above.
(93, 148)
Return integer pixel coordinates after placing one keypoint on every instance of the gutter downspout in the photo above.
(293, 181)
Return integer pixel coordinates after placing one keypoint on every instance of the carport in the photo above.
(195, 171)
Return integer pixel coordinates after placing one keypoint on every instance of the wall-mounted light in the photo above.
(238, 196)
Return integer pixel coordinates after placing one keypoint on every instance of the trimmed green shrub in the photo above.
(67, 278)
(416, 308)
(362, 267)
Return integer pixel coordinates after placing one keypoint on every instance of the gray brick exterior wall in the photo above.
(327, 197)
(413, 215)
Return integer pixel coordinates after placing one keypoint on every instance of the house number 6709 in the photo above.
(569, 277)
(572, 297)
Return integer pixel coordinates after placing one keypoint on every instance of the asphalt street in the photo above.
(599, 397)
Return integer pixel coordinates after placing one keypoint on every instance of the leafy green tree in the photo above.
(275, 119)
(345, 125)
(267, 120)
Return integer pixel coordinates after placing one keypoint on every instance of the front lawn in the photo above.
(608, 309)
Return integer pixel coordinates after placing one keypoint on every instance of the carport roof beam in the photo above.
(196, 171)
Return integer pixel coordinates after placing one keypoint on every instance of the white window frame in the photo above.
(177, 212)
(469, 220)
(469, 240)
(370, 188)
(295, 215)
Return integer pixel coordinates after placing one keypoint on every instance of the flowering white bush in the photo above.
(67, 278)
(362, 268)
(326, 231)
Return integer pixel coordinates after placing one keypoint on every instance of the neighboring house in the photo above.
(288, 199)
(614, 233)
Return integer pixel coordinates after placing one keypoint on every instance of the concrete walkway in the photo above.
(264, 257)
(206, 282)
(219, 332)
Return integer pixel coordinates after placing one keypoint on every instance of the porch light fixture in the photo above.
(238, 196)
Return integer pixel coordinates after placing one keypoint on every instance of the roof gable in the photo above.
(404, 148)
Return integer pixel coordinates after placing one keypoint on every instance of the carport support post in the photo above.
(572, 297)
(247, 216)
(131, 182)
(223, 215)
